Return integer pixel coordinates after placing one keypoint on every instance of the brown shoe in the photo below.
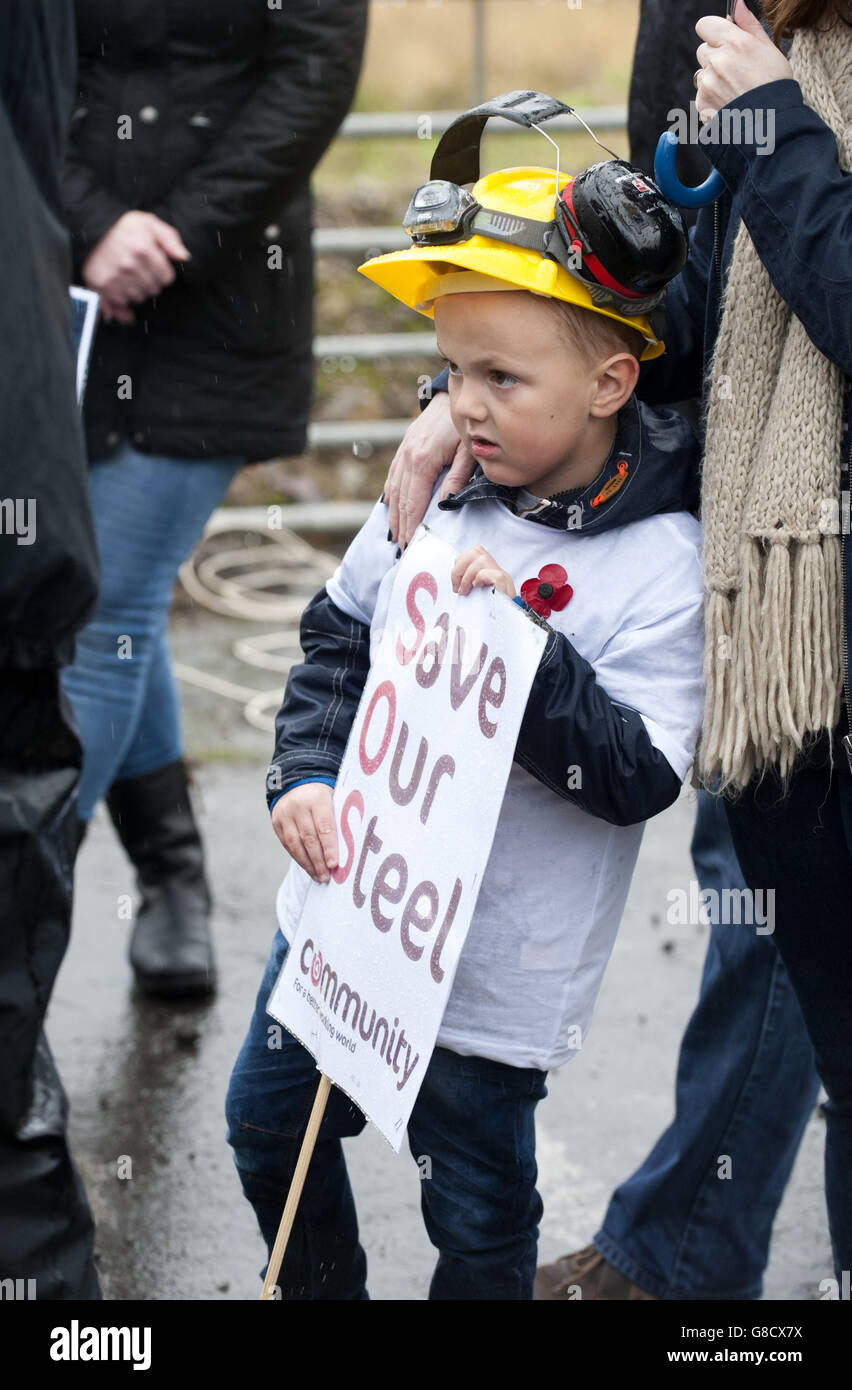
(585, 1275)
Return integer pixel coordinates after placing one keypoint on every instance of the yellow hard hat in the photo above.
(423, 273)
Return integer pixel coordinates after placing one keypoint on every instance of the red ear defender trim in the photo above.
(590, 262)
(611, 486)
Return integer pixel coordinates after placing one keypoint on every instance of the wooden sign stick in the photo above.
(295, 1193)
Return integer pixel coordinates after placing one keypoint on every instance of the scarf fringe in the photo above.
(773, 438)
(772, 662)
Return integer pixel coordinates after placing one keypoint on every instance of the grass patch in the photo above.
(420, 53)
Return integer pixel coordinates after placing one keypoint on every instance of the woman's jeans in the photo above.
(472, 1132)
(149, 514)
(803, 849)
(745, 1089)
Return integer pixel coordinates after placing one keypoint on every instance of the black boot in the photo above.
(170, 950)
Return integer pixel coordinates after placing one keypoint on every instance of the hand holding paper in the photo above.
(476, 569)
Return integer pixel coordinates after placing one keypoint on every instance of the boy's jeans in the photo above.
(473, 1120)
(746, 1087)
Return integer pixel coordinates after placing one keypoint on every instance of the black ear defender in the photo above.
(613, 228)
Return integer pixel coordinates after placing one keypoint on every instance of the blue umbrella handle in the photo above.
(670, 185)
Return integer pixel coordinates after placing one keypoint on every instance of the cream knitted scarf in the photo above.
(772, 568)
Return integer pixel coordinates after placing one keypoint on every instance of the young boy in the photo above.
(580, 512)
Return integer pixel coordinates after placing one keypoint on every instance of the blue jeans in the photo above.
(474, 1121)
(746, 1087)
(149, 514)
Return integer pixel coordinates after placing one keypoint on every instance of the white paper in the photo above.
(84, 316)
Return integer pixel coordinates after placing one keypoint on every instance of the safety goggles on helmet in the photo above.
(612, 229)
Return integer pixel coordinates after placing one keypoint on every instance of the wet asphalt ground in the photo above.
(147, 1080)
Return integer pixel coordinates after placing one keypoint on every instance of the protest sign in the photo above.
(417, 799)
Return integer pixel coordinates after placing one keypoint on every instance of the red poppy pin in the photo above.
(549, 591)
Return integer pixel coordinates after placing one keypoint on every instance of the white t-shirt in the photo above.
(557, 878)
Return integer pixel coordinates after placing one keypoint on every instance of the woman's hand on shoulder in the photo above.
(430, 443)
(734, 58)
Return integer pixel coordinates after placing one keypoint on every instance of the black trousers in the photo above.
(46, 1232)
(801, 849)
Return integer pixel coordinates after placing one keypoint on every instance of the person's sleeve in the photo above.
(87, 209)
(676, 375)
(796, 203)
(617, 737)
(266, 153)
(321, 699)
(438, 383)
(49, 566)
(90, 209)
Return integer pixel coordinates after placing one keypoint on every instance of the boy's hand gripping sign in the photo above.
(371, 966)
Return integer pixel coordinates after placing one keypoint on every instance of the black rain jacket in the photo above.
(211, 114)
(48, 558)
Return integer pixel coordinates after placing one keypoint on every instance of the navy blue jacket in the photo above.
(797, 206)
(569, 718)
(48, 583)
